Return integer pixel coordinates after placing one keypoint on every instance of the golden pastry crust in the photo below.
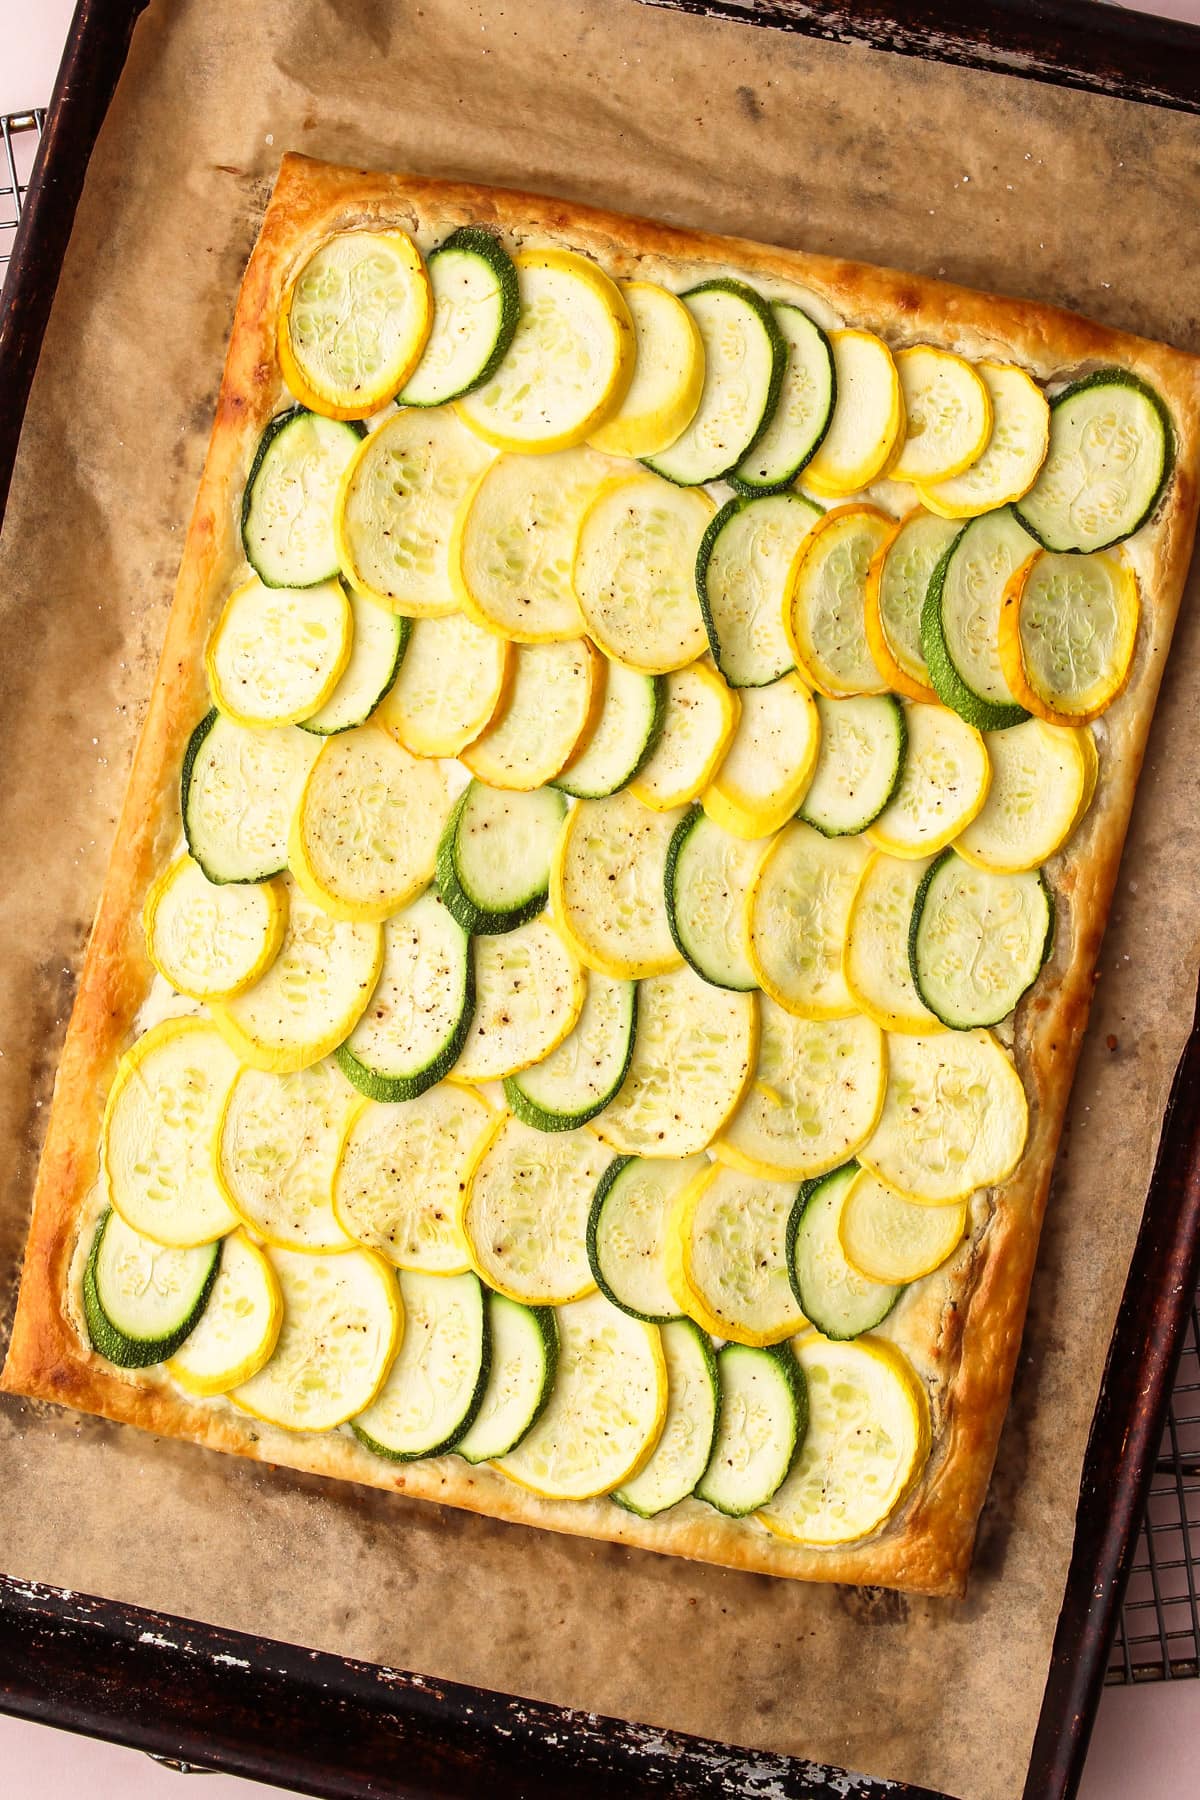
(969, 1323)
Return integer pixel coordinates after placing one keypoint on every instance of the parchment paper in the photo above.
(989, 180)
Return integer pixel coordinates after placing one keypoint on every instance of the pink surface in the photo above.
(1147, 1740)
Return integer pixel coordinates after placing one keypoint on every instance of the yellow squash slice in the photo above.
(825, 602)
(699, 721)
(635, 562)
(954, 1117)
(547, 713)
(239, 1327)
(606, 1411)
(278, 653)
(948, 415)
(606, 886)
(875, 957)
(897, 582)
(867, 1443)
(354, 322)
(868, 419)
(525, 1211)
(1068, 627)
(1015, 450)
(1039, 784)
(277, 1149)
(727, 1256)
(887, 1238)
(814, 1098)
(765, 772)
(943, 787)
(797, 911)
(212, 941)
(529, 991)
(451, 684)
(570, 361)
(668, 375)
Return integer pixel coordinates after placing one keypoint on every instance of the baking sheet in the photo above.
(995, 182)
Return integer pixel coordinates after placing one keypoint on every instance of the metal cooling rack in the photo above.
(1158, 1635)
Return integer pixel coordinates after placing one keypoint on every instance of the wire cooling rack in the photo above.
(1158, 1634)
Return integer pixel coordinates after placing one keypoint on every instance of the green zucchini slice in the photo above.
(376, 652)
(978, 940)
(761, 1422)
(476, 304)
(745, 357)
(689, 1430)
(524, 1361)
(240, 788)
(577, 1081)
(627, 1232)
(804, 409)
(436, 1385)
(418, 1016)
(742, 570)
(707, 877)
(1111, 455)
(290, 496)
(493, 863)
(625, 736)
(141, 1299)
(833, 1296)
(859, 764)
(960, 620)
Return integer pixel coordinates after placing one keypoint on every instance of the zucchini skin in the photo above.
(114, 1345)
(270, 433)
(464, 1424)
(914, 929)
(530, 1113)
(604, 1188)
(952, 690)
(387, 1088)
(807, 1192)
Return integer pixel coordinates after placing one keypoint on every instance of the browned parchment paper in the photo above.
(995, 182)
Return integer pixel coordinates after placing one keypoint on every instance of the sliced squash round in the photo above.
(240, 789)
(353, 323)
(633, 575)
(277, 1149)
(624, 736)
(416, 1021)
(961, 616)
(978, 940)
(864, 740)
(449, 687)
(1067, 633)
(1015, 451)
(668, 375)
(954, 1118)
(700, 715)
(802, 412)
(1039, 785)
(580, 1077)
(727, 1256)
(888, 1238)
(875, 961)
(277, 654)
(529, 992)
(797, 909)
(708, 876)
(868, 418)
(761, 1422)
(239, 1327)
(689, 1430)
(493, 862)
(476, 301)
(436, 1383)
(525, 1210)
(142, 1300)
(212, 941)
(745, 355)
(607, 886)
(627, 1231)
(380, 639)
(897, 581)
(834, 1296)
(948, 415)
(943, 786)
(546, 714)
(825, 602)
(765, 772)
(742, 571)
(524, 1345)
(290, 496)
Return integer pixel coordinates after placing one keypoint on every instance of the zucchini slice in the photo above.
(576, 1081)
(396, 509)
(476, 301)
(141, 1299)
(689, 1430)
(379, 641)
(761, 1423)
(277, 654)
(624, 736)
(1110, 457)
(290, 497)
(1015, 450)
(524, 1361)
(364, 838)
(606, 1411)
(889, 1239)
(868, 419)
(548, 710)
(897, 582)
(745, 355)
(954, 1118)
(354, 322)
(726, 1257)
(814, 1099)
(977, 940)
(708, 876)
(239, 1327)
(529, 992)
(634, 557)
(803, 410)
(415, 1023)
(825, 605)
(402, 1171)
(1068, 629)
(875, 956)
(160, 1125)
(514, 541)
(493, 863)
(569, 363)
(210, 942)
(277, 1148)
(342, 1324)
(943, 785)
(948, 415)
(742, 571)
(797, 910)
(832, 1294)
(668, 375)
(765, 772)
(1039, 784)
(693, 1053)
(436, 1384)
(960, 620)
(449, 686)
(240, 789)
(859, 764)
(867, 1443)
(699, 720)
(525, 1211)
(627, 1232)
(606, 887)
(311, 997)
